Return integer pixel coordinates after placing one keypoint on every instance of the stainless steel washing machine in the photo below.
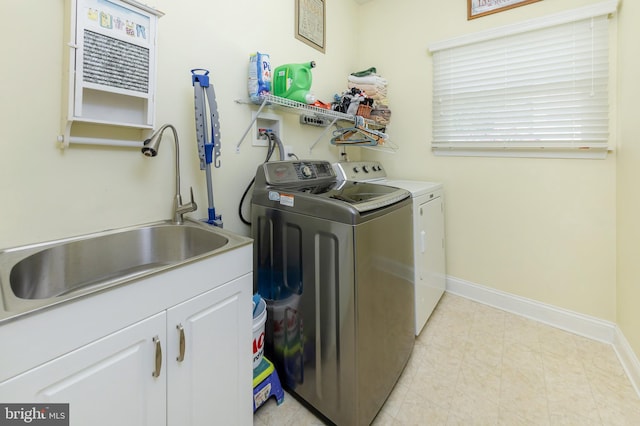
(334, 260)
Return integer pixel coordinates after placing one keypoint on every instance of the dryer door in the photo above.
(429, 258)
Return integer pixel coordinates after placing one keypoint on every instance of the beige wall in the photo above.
(628, 291)
(542, 229)
(50, 193)
(539, 228)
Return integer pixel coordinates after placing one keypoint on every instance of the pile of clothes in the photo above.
(366, 97)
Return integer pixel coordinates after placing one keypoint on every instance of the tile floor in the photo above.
(477, 365)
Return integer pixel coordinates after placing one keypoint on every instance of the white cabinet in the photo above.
(108, 382)
(110, 70)
(137, 374)
(210, 380)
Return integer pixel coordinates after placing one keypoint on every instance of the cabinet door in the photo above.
(430, 259)
(108, 382)
(211, 382)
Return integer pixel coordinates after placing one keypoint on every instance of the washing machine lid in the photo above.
(311, 187)
(362, 196)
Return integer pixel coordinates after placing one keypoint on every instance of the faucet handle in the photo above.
(194, 206)
(180, 209)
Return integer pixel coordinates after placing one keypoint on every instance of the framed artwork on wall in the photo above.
(478, 8)
(310, 23)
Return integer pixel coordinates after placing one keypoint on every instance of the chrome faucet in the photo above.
(150, 149)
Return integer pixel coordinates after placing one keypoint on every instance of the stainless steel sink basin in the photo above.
(61, 269)
(42, 274)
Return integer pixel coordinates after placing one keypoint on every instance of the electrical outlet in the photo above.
(313, 120)
(288, 150)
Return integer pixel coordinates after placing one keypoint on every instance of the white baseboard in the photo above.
(583, 325)
(627, 358)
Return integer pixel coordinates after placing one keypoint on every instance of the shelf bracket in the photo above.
(244, 135)
(324, 132)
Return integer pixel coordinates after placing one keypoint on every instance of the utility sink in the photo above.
(42, 274)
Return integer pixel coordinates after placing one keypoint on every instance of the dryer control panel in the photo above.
(360, 170)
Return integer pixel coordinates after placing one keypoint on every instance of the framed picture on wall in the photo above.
(310, 23)
(478, 8)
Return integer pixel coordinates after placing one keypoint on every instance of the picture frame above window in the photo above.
(478, 8)
(310, 23)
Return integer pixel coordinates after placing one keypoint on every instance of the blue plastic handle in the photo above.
(203, 79)
(256, 302)
(208, 152)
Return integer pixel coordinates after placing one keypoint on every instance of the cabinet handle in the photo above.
(180, 357)
(156, 371)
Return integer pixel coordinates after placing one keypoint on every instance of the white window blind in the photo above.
(539, 89)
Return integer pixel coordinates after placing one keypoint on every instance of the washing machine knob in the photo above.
(356, 169)
(365, 169)
(306, 171)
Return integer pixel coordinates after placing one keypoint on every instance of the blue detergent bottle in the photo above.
(293, 81)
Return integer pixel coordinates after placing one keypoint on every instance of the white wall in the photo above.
(50, 193)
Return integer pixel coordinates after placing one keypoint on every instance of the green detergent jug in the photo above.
(293, 81)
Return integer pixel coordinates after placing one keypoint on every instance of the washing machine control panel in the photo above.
(292, 172)
(306, 171)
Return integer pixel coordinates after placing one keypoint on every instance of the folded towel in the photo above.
(370, 87)
(370, 79)
(381, 114)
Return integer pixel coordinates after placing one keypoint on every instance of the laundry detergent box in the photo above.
(259, 82)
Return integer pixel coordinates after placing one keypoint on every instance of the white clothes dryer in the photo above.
(429, 274)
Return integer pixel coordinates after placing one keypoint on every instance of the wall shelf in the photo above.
(325, 115)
